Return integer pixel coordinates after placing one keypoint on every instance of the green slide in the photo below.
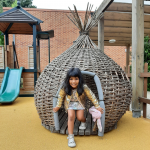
(10, 87)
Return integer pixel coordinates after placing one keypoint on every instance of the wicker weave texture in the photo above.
(115, 84)
(85, 55)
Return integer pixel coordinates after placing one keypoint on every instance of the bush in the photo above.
(1, 39)
(147, 57)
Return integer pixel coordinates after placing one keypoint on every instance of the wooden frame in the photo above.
(14, 19)
(137, 55)
(1, 78)
(127, 57)
(29, 58)
(104, 5)
(2, 58)
(118, 23)
(144, 75)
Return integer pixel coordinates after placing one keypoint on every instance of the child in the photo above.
(74, 92)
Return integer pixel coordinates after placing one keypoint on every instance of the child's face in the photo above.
(74, 81)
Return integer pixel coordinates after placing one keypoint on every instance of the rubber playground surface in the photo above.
(20, 129)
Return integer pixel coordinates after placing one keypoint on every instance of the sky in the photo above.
(80, 4)
(64, 4)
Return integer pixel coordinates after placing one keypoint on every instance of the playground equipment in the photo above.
(85, 55)
(10, 87)
(19, 21)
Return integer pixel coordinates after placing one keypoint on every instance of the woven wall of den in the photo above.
(85, 55)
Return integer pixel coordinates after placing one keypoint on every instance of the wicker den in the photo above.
(85, 55)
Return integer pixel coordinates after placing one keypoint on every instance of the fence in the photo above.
(144, 75)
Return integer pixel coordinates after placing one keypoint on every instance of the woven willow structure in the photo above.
(85, 55)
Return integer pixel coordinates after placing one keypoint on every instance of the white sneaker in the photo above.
(71, 142)
(82, 126)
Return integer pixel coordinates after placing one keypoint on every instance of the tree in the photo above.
(27, 4)
(24, 3)
(147, 57)
(14, 4)
(7, 3)
(1, 7)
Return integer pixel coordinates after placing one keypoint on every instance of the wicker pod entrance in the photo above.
(85, 55)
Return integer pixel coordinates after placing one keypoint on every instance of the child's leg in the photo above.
(71, 117)
(80, 115)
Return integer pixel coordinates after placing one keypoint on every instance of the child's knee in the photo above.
(71, 117)
(80, 118)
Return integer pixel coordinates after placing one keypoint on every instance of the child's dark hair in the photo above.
(73, 72)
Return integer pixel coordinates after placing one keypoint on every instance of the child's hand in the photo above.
(55, 109)
(100, 109)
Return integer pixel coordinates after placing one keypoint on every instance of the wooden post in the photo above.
(128, 68)
(127, 57)
(145, 90)
(124, 69)
(5, 53)
(6, 39)
(49, 58)
(101, 34)
(137, 55)
(34, 51)
(38, 43)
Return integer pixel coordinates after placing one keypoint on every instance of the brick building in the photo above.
(65, 32)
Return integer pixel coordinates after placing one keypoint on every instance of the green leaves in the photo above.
(13, 3)
(147, 50)
(1, 39)
(1, 6)
(7, 3)
(147, 56)
(27, 4)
